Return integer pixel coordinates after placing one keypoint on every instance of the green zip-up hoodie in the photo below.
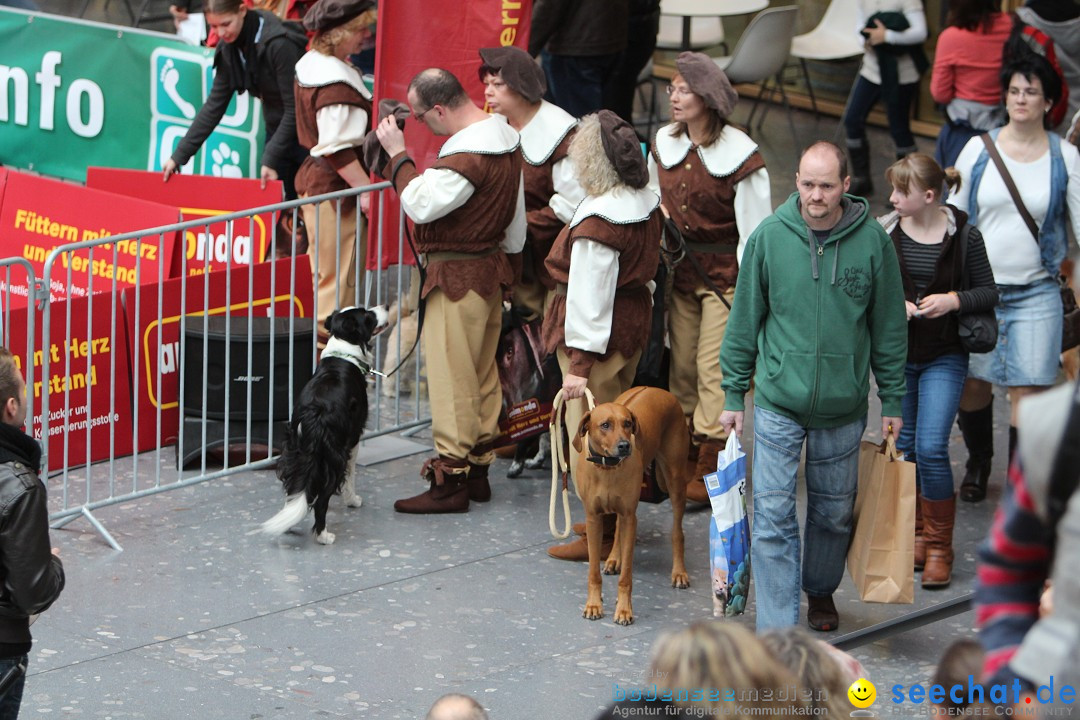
(811, 319)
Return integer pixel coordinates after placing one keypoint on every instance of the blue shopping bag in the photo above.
(729, 532)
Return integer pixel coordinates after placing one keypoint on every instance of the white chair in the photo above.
(834, 38)
(705, 32)
(760, 55)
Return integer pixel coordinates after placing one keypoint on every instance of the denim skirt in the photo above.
(1029, 337)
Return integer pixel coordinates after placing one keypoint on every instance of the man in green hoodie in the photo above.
(818, 304)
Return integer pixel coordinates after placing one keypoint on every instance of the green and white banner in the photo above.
(75, 94)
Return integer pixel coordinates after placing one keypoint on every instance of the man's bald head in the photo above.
(455, 706)
(436, 86)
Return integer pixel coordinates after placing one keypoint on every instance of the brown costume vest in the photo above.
(544, 224)
(703, 208)
(639, 251)
(319, 175)
(477, 227)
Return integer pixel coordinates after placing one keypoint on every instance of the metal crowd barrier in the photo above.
(117, 432)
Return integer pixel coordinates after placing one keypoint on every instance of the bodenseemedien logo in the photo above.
(862, 695)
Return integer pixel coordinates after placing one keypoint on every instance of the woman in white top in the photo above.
(1046, 172)
(891, 66)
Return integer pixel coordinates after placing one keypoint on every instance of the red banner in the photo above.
(149, 355)
(38, 215)
(203, 197)
(453, 34)
(81, 352)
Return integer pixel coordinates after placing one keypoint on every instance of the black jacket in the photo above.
(31, 577)
(579, 27)
(268, 75)
(930, 338)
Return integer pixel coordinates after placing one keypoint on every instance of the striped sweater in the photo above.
(1014, 564)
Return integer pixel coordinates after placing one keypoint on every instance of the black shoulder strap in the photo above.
(965, 277)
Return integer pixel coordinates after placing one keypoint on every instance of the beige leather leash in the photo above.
(560, 461)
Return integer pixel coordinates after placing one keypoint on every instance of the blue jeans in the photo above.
(930, 405)
(576, 83)
(9, 703)
(832, 469)
(863, 97)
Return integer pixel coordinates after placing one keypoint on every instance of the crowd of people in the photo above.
(545, 198)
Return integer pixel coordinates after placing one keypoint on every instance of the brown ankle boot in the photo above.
(479, 488)
(920, 542)
(706, 463)
(448, 493)
(938, 519)
(578, 549)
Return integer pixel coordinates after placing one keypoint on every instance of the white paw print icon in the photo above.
(226, 162)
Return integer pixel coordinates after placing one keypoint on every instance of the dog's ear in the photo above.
(633, 424)
(329, 322)
(582, 431)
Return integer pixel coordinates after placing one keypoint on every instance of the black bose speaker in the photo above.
(231, 344)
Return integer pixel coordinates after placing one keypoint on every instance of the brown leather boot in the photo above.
(938, 519)
(448, 493)
(706, 463)
(479, 488)
(920, 541)
(578, 549)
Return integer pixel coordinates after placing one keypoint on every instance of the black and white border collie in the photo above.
(319, 455)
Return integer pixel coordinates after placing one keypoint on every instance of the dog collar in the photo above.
(602, 460)
(336, 348)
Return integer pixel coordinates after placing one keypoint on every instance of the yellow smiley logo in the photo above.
(862, 693)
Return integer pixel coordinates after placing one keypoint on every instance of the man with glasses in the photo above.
(469, 212)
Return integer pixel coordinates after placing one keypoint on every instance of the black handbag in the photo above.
(1070, 328)
(978, 331)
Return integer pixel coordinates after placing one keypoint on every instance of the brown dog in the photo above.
(617, 441)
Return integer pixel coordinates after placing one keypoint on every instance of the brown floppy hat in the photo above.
(375, 157)
(519, 71)
(328, 14)
(623, 149)
(707, 81)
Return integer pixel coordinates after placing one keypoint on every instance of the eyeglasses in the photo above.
(420, 117)
(675, 90)
(1029, 93)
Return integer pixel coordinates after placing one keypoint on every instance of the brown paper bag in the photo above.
(881, 558)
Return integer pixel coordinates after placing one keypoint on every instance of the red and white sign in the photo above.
(272, 290)
(85, 423)
(202, 197)
(453, 35)
(38, 215)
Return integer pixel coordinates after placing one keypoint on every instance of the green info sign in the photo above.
(75, 94)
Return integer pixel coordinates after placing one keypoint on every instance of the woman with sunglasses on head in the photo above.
(257, 53)
(714, 188)
(1025, 259)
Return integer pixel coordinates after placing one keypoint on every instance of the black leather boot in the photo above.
(977, 427)
(862, 183)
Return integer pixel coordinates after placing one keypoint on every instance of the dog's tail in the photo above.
(296, 508)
